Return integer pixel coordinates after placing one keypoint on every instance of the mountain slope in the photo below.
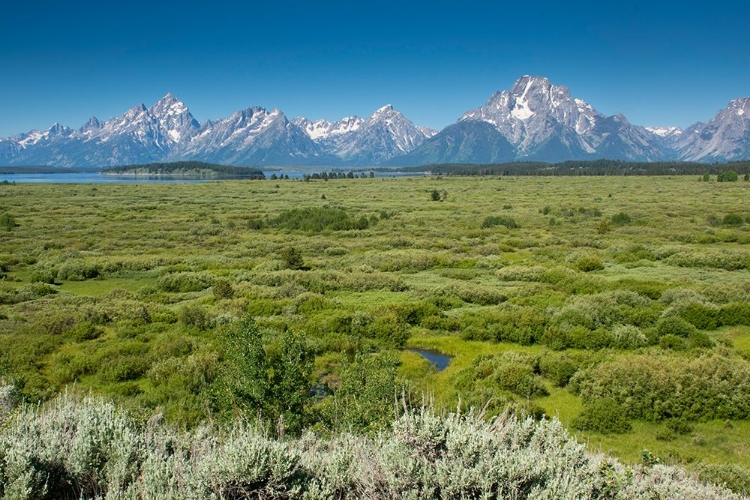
(725, 138)
(462, 142)
(356, 141)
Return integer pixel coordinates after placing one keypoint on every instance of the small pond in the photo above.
(439, 361)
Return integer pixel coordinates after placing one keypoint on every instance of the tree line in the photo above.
(585, 168)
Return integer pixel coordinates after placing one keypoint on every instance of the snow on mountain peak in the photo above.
(534, 119)
(387, 109)
(665, 131)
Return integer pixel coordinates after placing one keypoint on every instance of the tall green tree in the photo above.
(291, 367)
(364, 399)
(245, 368)
(270, 382)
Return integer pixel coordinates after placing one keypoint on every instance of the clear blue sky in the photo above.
(659, 63)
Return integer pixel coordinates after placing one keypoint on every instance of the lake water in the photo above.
(97, 178)
(439, 361)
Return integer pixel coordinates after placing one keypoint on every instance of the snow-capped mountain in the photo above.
(725, 138)
(665, 131)
(357, 141)
(253, 136)
(322, 130)
(543, 122)
(533, 120)
(140, 135)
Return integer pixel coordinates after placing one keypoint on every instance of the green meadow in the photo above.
(620, 305)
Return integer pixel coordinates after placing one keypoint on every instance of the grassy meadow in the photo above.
(620, 305)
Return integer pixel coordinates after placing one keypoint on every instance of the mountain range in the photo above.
(533, 120)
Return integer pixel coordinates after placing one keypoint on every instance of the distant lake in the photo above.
(97, 178)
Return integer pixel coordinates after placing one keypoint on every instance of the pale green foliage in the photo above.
(86, 448)
(69, 448)
(8, 400)
(628, 337)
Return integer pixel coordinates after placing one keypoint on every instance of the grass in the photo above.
(738, 336)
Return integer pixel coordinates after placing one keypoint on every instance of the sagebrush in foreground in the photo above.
(86, 448)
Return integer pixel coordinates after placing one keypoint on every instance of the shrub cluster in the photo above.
(509, 371)
(185, 281)
(86, 448)
(663, 387)
(498, 220)
(318, 219)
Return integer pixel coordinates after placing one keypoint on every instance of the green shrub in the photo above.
(510, 371)
(559, 368)
(7, 222)
(628, 337)
(45, 275)
(673, 342)
(735, 313)
(679, 426)
(222, 289)
(318, 219)
(521, 273)
(85, 331)
(700, 340)
(733, 220)
(674, 325)
(701, 315)
(523, 325)
(496, 220)
(78, 270)
(620, 219)
(590, 263)
(719, 259)
(195, 316)
(671, 386)
(292, 257)
(390, 328)
(604, 415)
(727, 176)
(732, 476)
(183, 282)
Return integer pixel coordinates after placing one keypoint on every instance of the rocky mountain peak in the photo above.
(533, 120)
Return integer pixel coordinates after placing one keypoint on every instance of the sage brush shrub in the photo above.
(71, 448)
(86, 448)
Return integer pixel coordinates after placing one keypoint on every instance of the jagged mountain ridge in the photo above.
(724, 138)
(533, 120)
(253, 136)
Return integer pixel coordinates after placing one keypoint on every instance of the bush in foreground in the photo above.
(87, 448)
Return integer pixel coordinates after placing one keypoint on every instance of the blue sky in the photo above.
(658, 63)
